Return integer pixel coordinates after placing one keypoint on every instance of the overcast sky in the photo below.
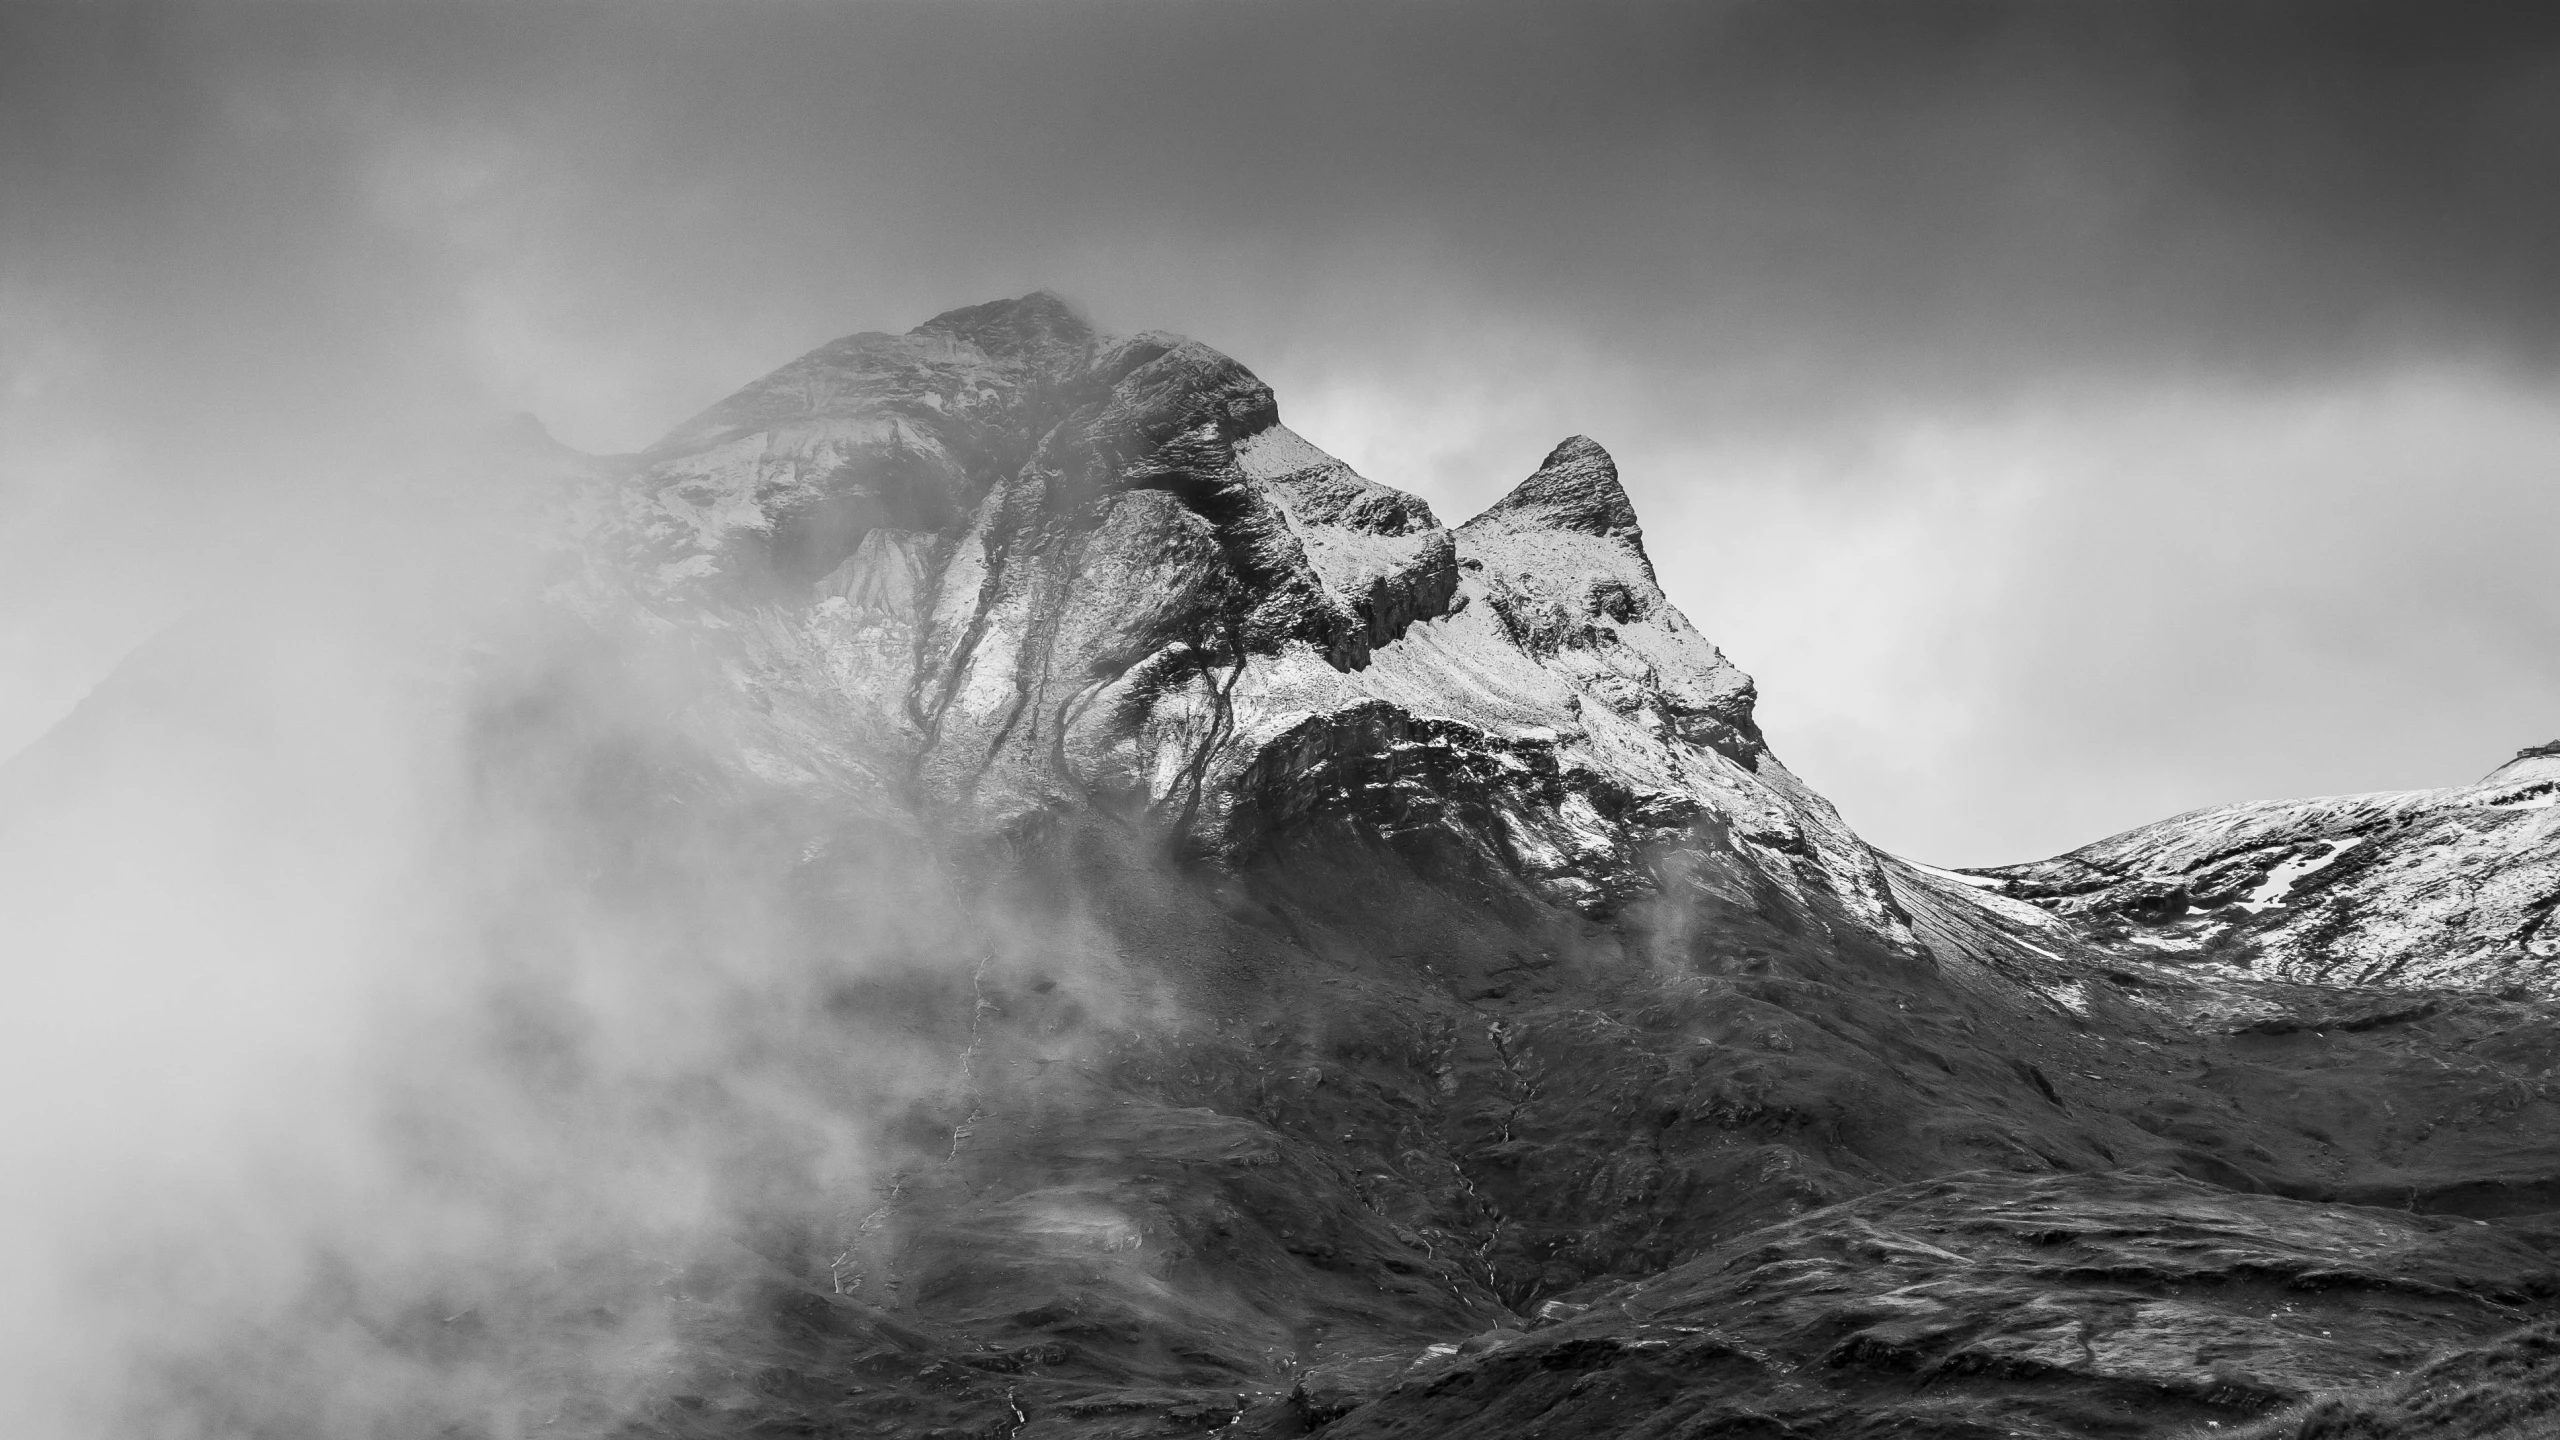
(2071, 413)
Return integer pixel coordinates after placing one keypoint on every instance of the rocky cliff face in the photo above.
(1345, 973)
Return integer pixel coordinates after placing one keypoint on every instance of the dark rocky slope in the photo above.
(1974, 1306)
(2508, 1389)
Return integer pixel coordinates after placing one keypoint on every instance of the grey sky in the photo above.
(2070, 412)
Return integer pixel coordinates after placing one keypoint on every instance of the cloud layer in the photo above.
(2071, 413)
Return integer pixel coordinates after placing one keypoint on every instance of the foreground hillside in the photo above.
(1175, 938)
(2508, 1389)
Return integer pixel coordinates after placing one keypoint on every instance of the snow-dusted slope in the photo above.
(2449, 887)
(1036, 565)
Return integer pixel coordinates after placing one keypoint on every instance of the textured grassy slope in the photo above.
(2508, 1389)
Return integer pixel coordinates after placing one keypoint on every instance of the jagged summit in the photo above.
(1575, 488)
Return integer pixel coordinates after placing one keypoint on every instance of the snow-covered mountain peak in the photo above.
(1020, 562)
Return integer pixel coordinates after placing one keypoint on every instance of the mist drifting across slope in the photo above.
(411, 1032)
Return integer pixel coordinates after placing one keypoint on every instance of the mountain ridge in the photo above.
(2455, 886)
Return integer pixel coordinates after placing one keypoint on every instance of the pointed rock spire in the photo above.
(1575, 488)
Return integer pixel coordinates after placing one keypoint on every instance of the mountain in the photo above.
(1168, 936)
(1023, 565)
